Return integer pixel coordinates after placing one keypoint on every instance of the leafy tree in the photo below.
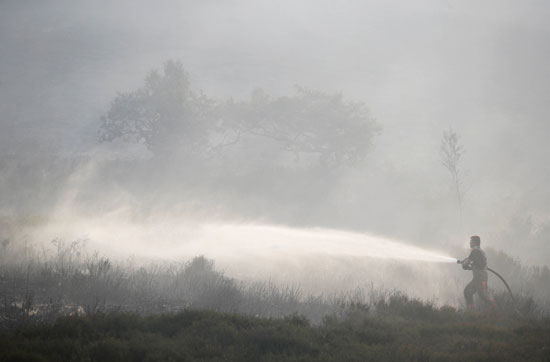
(310, 124)
(164, 114)
(169, 118)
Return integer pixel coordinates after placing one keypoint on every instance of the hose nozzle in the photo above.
(458, 261)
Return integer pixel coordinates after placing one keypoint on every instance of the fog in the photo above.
(477, 70)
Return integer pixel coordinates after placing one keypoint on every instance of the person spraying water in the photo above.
(477, 263)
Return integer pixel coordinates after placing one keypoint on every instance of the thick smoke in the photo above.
(422, 69)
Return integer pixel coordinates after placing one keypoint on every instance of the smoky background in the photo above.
(421, 70)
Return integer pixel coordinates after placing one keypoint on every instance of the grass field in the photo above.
(400, 329)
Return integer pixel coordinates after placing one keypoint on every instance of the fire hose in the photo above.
(506, 284)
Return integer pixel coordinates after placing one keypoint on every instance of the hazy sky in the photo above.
(421, 67)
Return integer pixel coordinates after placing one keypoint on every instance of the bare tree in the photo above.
(451, 153)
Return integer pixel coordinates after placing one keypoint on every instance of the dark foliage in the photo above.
(429, 335)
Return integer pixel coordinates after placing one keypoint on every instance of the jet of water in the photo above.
(172, 239)
(223, 240)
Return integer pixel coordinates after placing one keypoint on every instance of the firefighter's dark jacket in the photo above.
(477, 262)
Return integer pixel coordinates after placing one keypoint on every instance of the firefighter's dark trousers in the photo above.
(479, 286)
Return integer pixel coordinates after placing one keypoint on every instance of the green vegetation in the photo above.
(400, 330)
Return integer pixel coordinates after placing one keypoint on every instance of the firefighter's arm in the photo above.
(467, 264)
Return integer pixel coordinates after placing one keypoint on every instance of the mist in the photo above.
(409, 72)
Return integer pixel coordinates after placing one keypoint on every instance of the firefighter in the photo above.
(477, 263)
